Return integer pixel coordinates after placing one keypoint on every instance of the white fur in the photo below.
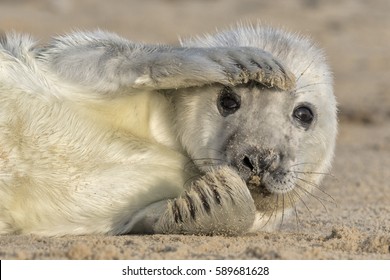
(83, 158)
(79, 167)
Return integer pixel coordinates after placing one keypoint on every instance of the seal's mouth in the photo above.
(266, 201)
(256, 185)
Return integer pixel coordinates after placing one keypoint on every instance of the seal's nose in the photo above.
(258, 162)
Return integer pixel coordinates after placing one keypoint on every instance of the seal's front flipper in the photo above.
(217, 203)
(108, 64)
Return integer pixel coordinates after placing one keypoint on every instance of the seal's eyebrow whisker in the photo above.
(307, 68)
(309, 85)
(302, 91)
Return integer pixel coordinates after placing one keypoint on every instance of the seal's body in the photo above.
(102, 135)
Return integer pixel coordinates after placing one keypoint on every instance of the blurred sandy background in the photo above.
(355, 34)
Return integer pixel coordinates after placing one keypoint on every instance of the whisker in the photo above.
(304, 91)
(276, 206)
(302, 163)
(304, 203)
(265, 212)
(282, 219)
(309, 85)
(270, 216)
(318, 188)
(311, 172)
(295, 209)
(304, 71)
(314, 196)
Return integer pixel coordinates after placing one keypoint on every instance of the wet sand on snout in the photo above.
(348, 219)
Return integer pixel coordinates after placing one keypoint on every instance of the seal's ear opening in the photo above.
(228, 102)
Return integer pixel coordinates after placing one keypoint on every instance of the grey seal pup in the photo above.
(221, 135)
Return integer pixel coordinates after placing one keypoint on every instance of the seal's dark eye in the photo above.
(304, 115)
(228, 102)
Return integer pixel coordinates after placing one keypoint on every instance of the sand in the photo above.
(356, 37)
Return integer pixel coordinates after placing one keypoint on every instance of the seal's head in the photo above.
(280, 142)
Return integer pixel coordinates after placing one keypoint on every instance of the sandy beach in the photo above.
(349, 219)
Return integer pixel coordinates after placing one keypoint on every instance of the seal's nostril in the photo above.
(247, 163)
